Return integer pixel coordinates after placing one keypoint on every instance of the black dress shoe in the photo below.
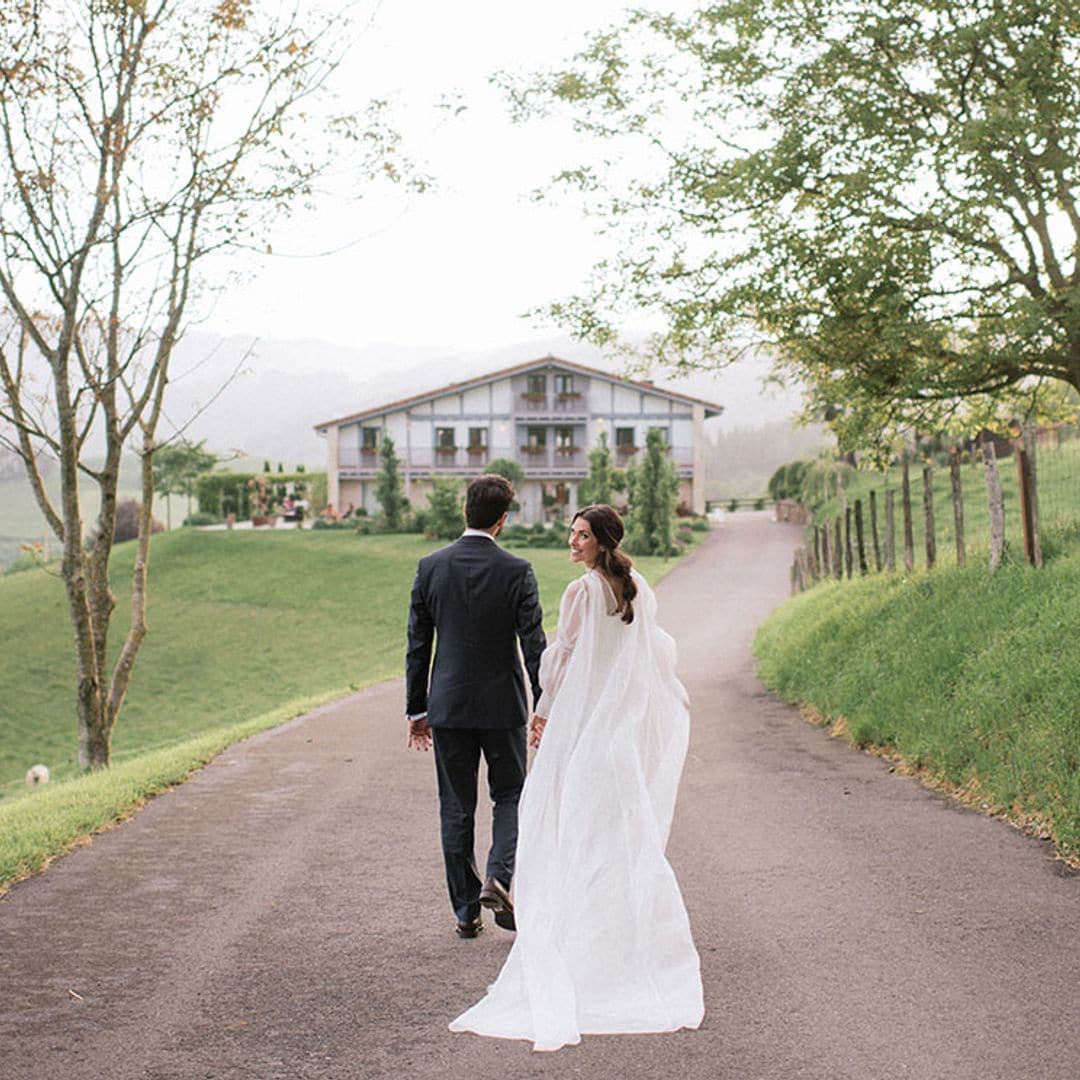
(470, 929)
(495, 896)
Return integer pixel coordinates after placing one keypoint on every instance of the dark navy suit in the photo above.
(477, 602)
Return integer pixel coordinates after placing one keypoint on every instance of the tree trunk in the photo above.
(826, 555)
(995, 504)
(958, 507)
(838, 550)
(928, 515)
(905, 497)
(890, 530)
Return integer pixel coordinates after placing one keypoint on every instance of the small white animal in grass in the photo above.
(37, 774)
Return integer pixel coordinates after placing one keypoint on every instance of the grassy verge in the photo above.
(239, 622)
(971, 679)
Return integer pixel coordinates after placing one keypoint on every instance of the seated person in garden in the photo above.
(289, 509)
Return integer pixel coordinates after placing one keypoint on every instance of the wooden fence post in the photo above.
(860, 537)
(849, 554)
(826, 560)
(890, 529)
(958, 506)
(1024, 445)
(874, 531)
(928, 515)
(905, 501)
(816, 568)
(838, 550)
(994, 502)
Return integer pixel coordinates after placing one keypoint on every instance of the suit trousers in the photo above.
(457, 764)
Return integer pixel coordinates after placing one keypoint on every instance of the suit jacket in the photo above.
(480, 602)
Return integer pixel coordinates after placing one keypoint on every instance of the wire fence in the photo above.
(995, 498)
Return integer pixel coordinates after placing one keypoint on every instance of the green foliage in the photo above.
(597, 488)
(178, 466)
(508, 468)
(445, 521)
(534, 536)
(388, 489)
(654, 488)
(223, 493)
(787, 482)
(891, 190)
(894, 657)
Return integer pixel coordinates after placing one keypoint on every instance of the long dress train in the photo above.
(603, 942)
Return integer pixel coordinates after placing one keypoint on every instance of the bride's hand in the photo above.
(536, 730)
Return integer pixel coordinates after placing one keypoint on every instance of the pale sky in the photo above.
(460, 266)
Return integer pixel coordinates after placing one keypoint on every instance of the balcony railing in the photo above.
(563, 404)
(533, 459)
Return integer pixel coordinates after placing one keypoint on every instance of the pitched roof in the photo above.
(711, 409)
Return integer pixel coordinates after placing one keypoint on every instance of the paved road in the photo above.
(282, 914)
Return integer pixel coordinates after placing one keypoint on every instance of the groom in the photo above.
(481, 601)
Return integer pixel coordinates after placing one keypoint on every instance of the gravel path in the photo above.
(282, 915)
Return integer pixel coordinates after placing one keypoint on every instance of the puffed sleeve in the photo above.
(557, 655)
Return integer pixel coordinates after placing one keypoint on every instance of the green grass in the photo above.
(972, 677)
(241, 625)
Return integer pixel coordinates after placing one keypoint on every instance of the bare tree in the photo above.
(137, 139)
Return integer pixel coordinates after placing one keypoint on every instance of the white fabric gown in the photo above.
(603, 941)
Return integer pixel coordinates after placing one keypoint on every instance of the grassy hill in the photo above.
(241, 624)
(972, 679)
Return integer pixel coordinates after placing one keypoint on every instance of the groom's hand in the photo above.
(536, 730)
(419, 734)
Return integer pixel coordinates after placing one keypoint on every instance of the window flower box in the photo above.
(534, 450)
(567, 450)
(626, 450)
(569, 395)
(530, 396)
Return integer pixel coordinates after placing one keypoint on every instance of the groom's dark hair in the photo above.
(487, 498)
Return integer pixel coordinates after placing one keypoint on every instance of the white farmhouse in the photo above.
(545, 415)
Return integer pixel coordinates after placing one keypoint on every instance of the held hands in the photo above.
(536, 730)
(419, 737)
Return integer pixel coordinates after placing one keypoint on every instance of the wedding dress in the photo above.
(603, 940)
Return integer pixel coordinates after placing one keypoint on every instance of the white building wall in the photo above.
(477, 400)
(625, 400)
(501, 396)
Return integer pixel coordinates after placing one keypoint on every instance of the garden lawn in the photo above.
(242, 624)
(972, 677)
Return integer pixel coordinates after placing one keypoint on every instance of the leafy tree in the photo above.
(509, 468)
(388, 489)
(654, 489)
(138, 140)
(599, 485)
(177, 468)
(884, 193)
(445, 520)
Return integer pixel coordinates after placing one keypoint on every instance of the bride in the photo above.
(603, 941)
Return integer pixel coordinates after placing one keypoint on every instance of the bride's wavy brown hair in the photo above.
(608, 529)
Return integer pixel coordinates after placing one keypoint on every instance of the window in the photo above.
(564, 384)
(536, 384)
(536, 438)
(564, 438)
(444, 438)
(478, 438)
(624, 438)
(369, 439)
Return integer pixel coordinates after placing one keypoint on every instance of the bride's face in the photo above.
(584, 547)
